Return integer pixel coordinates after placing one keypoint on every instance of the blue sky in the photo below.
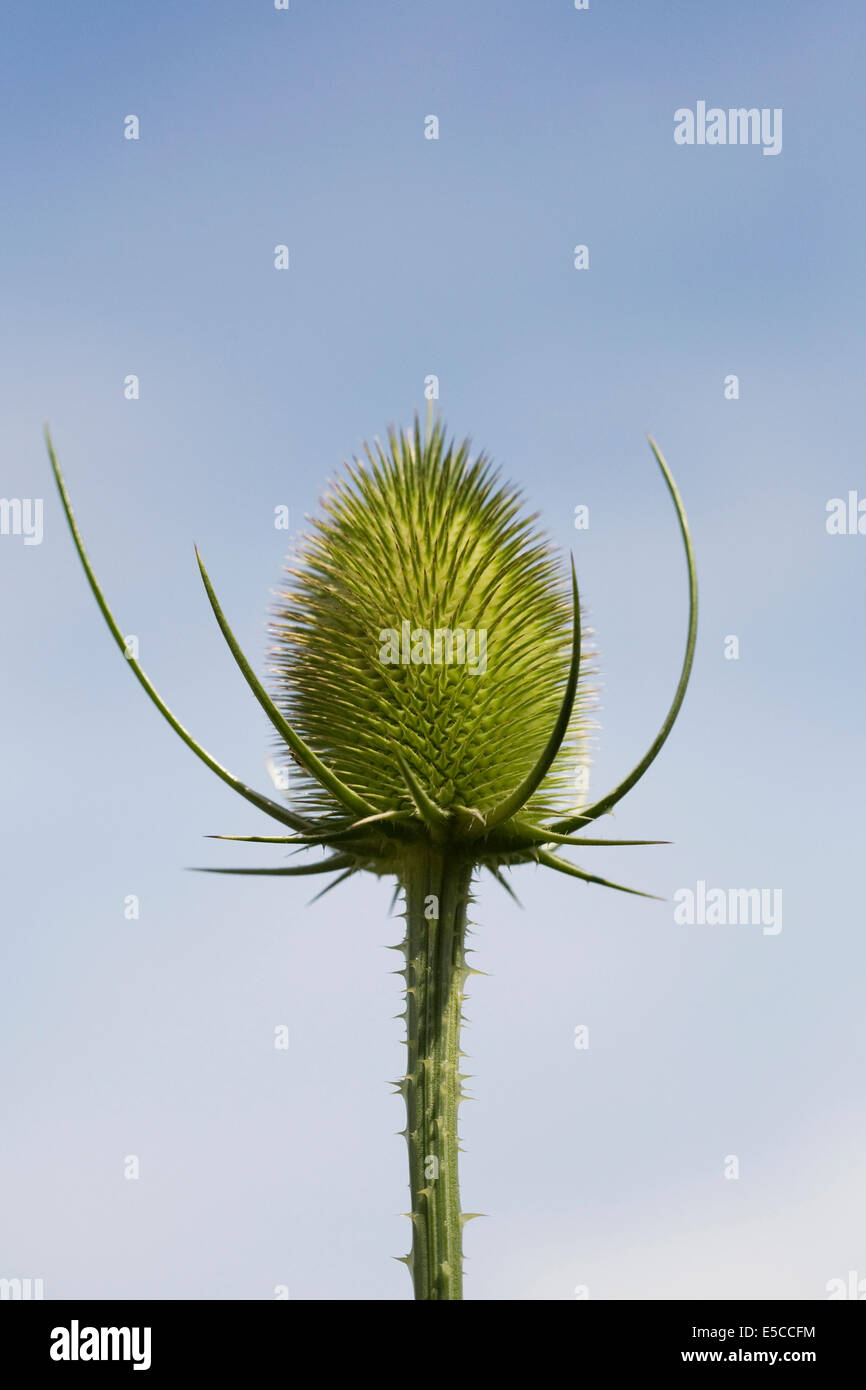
(412, 257)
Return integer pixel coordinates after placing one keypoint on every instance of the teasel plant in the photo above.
(417, 765)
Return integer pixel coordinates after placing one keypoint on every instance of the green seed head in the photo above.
(429, 628)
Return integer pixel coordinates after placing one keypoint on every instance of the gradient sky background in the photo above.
(155, 1037)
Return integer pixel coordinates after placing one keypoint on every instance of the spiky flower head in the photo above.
(427, 638)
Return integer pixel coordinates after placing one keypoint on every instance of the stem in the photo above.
(436, 887)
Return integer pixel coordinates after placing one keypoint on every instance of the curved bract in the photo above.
(608, 802)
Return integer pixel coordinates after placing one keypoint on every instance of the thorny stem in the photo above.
(436, 888)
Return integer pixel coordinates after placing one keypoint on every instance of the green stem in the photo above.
(436, 887)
